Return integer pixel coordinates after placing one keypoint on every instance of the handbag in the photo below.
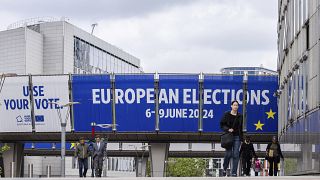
(270, 154)
(227, 138)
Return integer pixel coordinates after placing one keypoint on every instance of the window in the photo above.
(104, 62)
(307, 36)
(90, 59)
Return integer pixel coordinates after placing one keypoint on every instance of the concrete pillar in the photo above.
(15, 154)
(306, 153)
(158, 156)
(141, 166)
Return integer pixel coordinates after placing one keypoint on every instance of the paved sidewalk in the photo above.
(188, 178)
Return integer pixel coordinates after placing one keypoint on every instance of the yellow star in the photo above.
(259, 125)
(73, 145)
(270, 114)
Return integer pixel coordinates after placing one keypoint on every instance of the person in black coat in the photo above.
(273, 155)
(232, 122)
(247, 153)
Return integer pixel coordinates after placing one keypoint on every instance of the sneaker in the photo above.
(234, 175)
(224, 173)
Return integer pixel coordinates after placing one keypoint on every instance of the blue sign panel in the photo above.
(93, 93)
(178, 103)
(48, 146)
(134, 98)
(220, 91)
(262, 109)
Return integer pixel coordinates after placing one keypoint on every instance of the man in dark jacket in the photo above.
(82, 152)
(247, 153)
(231, 122)
(274, 154)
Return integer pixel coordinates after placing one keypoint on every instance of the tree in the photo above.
(186, 167)
(3, 148)
(290, 166)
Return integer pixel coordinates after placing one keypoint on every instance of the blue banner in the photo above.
(262, 109)
(135, 103)
(178, 102)
(93, 93)
(220, 91)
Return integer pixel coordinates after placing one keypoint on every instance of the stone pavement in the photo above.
(189, 178)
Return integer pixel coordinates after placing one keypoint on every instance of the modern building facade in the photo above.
(247, 70)
(298, 94)
(46, 46)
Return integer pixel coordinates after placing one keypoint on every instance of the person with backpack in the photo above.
(247, 153)
(231, 123)
(273, 155)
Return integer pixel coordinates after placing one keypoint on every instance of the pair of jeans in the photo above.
(233, 153)
(83, 164)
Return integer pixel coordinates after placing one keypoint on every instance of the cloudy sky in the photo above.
(170, 35)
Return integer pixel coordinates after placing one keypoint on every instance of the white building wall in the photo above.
(52, 47)
(36, 161)
(68, 48)
(12, 51)
(34, 52)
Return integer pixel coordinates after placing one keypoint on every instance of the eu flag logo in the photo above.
(39, 118)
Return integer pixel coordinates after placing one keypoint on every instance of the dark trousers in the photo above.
(98, 163)
(273, 167)
(246, 165)
(83, 164)
(256, 173)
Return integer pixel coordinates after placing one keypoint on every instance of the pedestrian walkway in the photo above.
(191, 178)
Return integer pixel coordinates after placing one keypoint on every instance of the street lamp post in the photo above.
(93, 131)
(244, 102)
(63, 123)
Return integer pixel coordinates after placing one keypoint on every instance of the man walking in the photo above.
(82, 152)
(99, 150)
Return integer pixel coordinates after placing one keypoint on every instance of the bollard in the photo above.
(12, 170)
(104, 172)
(48, 171)
(30, 170)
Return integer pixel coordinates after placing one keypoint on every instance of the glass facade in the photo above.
(248, 70)
(89, 59)
(299, 84)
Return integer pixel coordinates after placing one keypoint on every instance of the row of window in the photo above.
(249, 72)
(89, 59)
(293, 98)
(294, 18)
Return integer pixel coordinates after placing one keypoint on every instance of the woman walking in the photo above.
(247, 153)
(231, 122)
(274, 154)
